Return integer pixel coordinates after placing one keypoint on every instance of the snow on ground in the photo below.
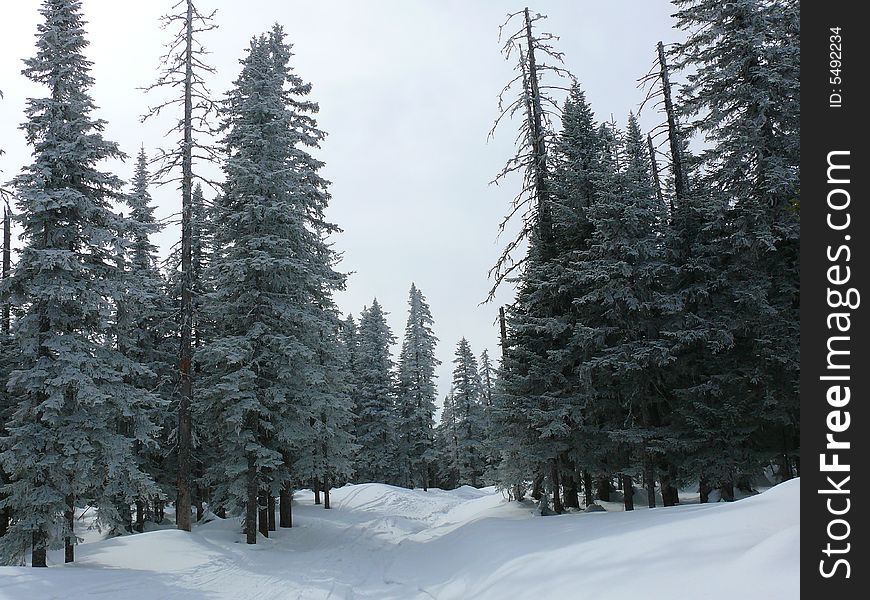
(381, 542)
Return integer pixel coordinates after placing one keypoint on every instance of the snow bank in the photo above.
(389, 543)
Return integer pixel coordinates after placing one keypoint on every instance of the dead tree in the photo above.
(533, 100)
(183, 68)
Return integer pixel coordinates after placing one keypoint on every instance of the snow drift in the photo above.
(390, 543)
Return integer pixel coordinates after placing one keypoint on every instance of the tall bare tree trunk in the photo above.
(184, 418)
(140, 515)
(680, 186)
(6, 512)
(251, 502)
(587, 488)
(263, 512)
(69, 548)
(285, 498)
(650, 475)
(536, 122)
(557, 495)
(7, 262)
(627, 492)
(270, 506)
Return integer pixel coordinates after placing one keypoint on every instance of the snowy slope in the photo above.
(384, 542)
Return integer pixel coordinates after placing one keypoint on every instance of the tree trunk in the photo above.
(316, 487)
(69, 548)
(604, 488)
(140, 515)
(37, 551)
(572, 498)
(7, 266)
(557, 496)
(650, 473)
(425, 477)
(587, 488)
(704, 490)
(270, 506)
(538, 487)
(326, 492)
(251, 503)
(186, 358)
(628, 492)
(727, 491)
(670, 495)
(285, 498)
(673, 135)
(657, 183)
(263, 512)
(221, 512)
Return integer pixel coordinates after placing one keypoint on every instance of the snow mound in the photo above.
(388, 543)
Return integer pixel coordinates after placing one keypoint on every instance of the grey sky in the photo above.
(407, 91)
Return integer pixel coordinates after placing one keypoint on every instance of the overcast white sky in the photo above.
(407, 91)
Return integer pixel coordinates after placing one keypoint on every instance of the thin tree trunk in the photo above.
(316, 487)
(251, 504)
(727, 491)
(184, 416)
(538, 487)
(572, 498)
(270, 506)
(37, 551)
(263, 511)
(650, 473)
(670, 494)
(657, 182)
(587, 488)
(69, 548)
(628, 492)
(673, 135)
(7, 265)
(557, 497)
(140, 515)
(536, 118)
(704, 490)
(604, 488)
(285, 498)
(326, 493)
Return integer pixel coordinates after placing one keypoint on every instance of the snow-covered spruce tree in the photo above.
(63, 445)
(743, 62)
(621, 272)
(470, 416)
(416, 393)
(143, 327)
(375, 403)
(446, 445)
(487, 376)
(271, 392)
(538, 410)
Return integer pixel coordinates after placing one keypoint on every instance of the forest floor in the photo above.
(382, 542)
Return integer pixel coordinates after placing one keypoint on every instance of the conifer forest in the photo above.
(645, 352)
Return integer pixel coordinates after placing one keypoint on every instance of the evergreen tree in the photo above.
(272, 395)
(468, 412)
(745, 56)
(446, 447)
(73, 388)
(375, 404)
(143, 325)
(416, 392)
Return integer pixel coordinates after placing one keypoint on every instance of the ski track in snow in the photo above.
(387, 543)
